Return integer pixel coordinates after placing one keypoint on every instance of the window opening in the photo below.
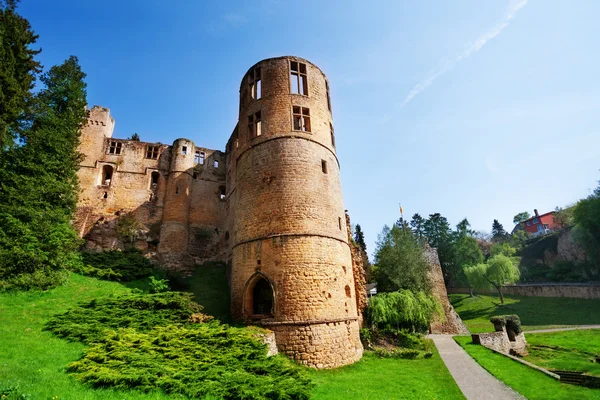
(301, 116)
(152, 152)
(107, 173)
(255, 83)
(324, 166)
(222, 192)
(298, 78)
(197, 157)
(154, 179)
(216, 164)
(340, 223)
(115, 147)
(332, 135)
(183, 150)
(201, 158)
(328, 98)
(262, 298)
(255, 124)
(105, 195)
(176, 190)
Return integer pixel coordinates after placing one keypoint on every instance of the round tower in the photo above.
(291, 262)
(174, 229)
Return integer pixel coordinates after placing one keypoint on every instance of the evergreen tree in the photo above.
(39, 185)
(498, 232)
(18, 70)
(418, 226)
(359, 238)
(437, 230)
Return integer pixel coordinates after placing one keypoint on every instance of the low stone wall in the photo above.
(579, 291)
(500, 342)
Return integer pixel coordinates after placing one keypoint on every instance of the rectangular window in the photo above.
(222, 192)
(183, 150)
(216, 164)
(324, 166)
(115, 147)
(152, 152)
(332, 135)
(255, 83)
(298, 78)
(255, 125)
(301, 117)
(197, 157)
(535, 221)
(328, 98)
(201, 159)
(340, 223)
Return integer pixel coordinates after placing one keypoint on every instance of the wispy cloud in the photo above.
(447, 65)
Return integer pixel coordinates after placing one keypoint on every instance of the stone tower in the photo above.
(291, 266)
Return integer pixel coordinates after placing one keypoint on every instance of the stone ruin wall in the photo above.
(452, 324)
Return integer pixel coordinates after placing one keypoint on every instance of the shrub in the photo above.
(122, 266)
(158, 285)
(403, 309)
(410, 354)
(139, 311)
(512, 322)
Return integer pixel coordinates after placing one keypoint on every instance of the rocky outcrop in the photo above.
(451, 324)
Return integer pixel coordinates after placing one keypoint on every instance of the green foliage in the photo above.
(38, 184)
(135, 137)
(504, 249)
(400, 353)
(141, 312)
(586, 215)
(417, 224)
(158, 285)
(405, 309)
(511, 322)
(123, 266)
(564, 216)
(18, 71)
(498, 232)
(12, 392)
(199, 360)
(498, 271)
(520, 217)
(359, 237)
(400, 261)
(519, 239)
(128, 228)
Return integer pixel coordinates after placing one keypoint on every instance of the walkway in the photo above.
(474, 381)
(572, 328)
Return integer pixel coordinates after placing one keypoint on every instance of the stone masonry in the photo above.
(270, 206)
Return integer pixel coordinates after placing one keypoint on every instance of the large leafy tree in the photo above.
(39, 184)
(586, 216)
(520, 217)
(497, 272)
(400, 263)
(18, 71)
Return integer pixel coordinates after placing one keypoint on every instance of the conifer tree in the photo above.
(359, 237)
(498, 232)
(18, 70)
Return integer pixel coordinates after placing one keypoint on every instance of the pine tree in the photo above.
(18, 70)
(418, 226)
(359, 238)
(498, 232)
(39, 185)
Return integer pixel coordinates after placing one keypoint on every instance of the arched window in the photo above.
(154, 179)
(260, 298)
(107, 174)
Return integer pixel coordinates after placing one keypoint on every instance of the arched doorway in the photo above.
(260, 298)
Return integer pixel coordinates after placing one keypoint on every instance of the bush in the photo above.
(158, 285)
(410, 354)
(403, 309)
(512, 322)
(121, 266)
(141, 312)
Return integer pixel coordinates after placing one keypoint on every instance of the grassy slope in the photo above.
(571, 351)
(35, 360)
(386, 379)
(530, 383)
(535, 312)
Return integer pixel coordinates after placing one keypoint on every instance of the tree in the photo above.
(39, 185)
(564, 216)
(359, 237)
(586, 216)
(520, 217)
(418, 226)
(498, 232)
(135, 137)
(18, 71)
(497, 272)
(400, 263)
(436, 229)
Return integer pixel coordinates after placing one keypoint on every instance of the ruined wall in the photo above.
(452, 324)
(289, 227)
(358, 271)
(578, 291)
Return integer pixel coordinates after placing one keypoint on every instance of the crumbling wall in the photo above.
(358, 270)
(451, 324)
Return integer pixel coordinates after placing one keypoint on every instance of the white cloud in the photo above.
(445, 66)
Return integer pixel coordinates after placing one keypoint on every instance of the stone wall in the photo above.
(501, 342)
(579, 291)
(451, 323)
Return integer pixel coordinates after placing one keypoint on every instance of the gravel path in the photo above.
(573, 328)
(474, 381)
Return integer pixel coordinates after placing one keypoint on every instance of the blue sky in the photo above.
(468, 108)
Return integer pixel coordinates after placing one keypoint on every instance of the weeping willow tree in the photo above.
(403, 309)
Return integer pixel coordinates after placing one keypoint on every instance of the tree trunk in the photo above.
(500, 293)
(471, 292)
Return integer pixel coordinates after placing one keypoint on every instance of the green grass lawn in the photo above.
(386, 379)
(569, 350)
(35, 360)
(530, 383)
(534, 312)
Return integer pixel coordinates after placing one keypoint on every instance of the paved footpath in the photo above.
(474, 381)
(572, 328)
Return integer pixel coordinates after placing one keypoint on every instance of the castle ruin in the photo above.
(270, 206)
